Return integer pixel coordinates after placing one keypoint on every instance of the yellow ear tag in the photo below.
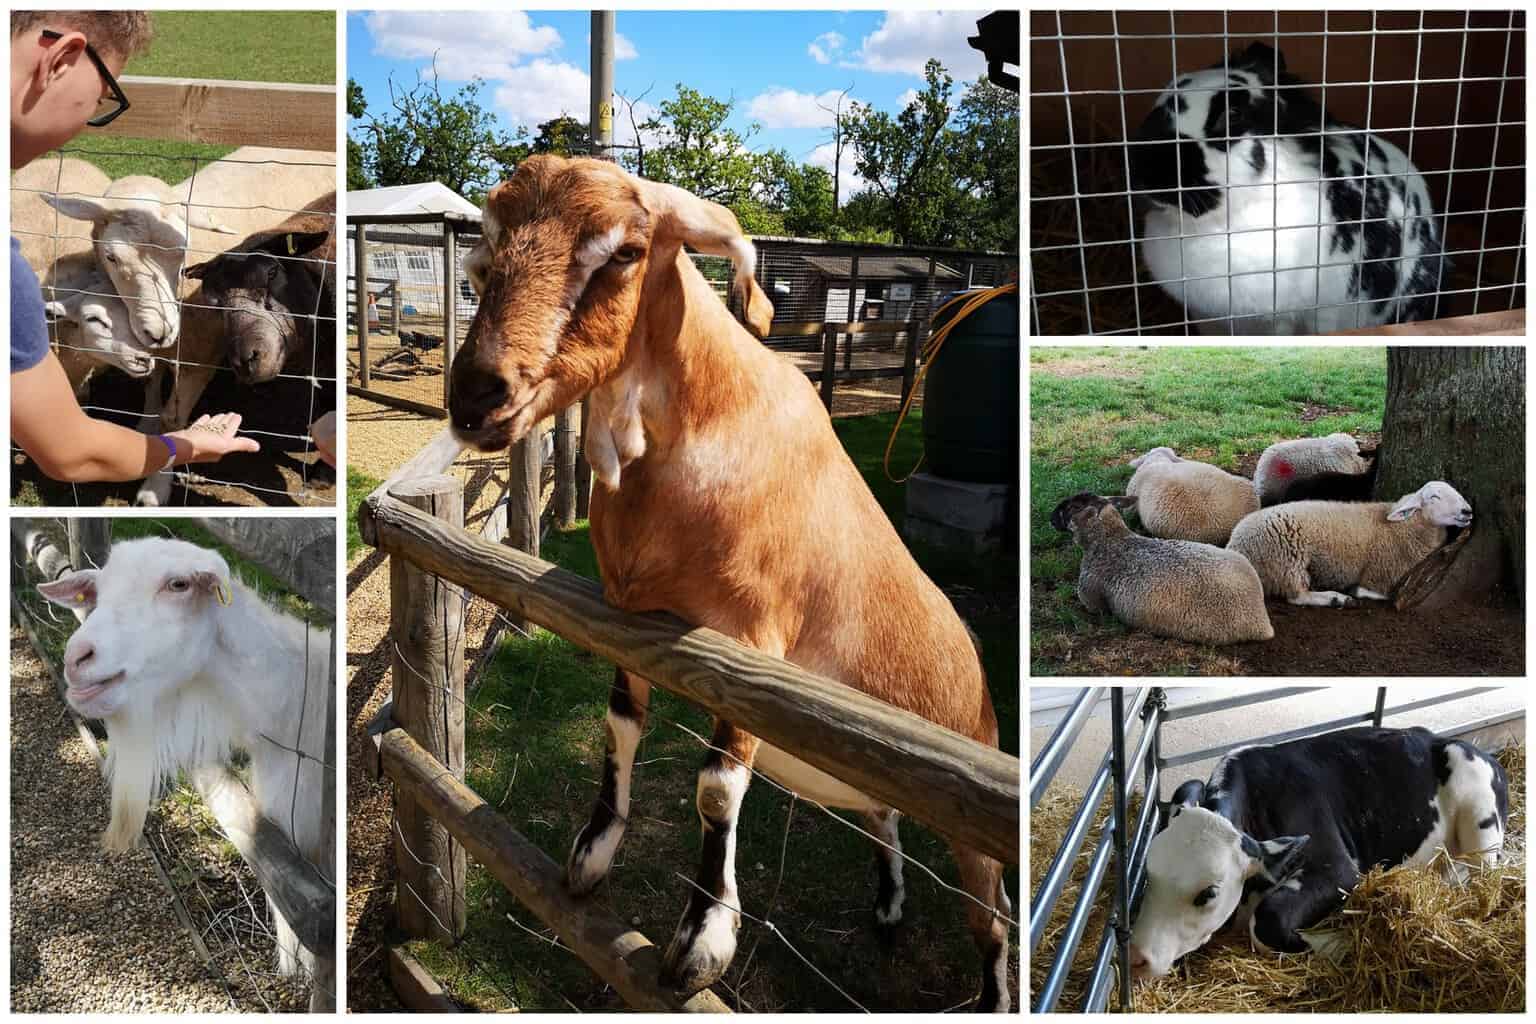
(290, 245)
(79, 599)
(222, 590)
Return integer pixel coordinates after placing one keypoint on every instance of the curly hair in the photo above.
(118, 33)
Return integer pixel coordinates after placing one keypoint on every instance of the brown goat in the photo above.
(724, 498)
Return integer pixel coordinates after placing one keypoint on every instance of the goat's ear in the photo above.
(215, 584)
(205, 219)
(78, 207)
(76, 591)
(56, 309)
(685, 219)
(293, 243)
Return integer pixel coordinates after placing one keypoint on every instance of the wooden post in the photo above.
(917, 336)
(583, 470)
(426, 626)
(828, 364)
(360, 268)
(322, 987)
(394, 306)
(853, 311)
(565, 468)
(525, 461)
(89, 542)
(450, 304)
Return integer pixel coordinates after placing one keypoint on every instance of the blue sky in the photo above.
(777, 64)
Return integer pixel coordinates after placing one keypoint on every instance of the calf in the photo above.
(1280, 834)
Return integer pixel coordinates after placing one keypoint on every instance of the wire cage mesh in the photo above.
(1439, 95)
(117, 377)
(215, 894)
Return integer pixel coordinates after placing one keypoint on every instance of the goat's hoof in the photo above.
(699, 954)
(590, 861)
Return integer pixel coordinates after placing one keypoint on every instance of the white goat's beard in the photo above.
(133, 768)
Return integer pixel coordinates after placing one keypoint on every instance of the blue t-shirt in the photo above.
(29, 327)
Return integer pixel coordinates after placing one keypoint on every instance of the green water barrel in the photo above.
(971, 396)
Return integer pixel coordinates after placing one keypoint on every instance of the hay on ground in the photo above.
(1411, 940)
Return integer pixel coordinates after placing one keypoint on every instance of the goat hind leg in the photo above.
(593, 851)
(982, 877)
(884, 826)
(705, 940)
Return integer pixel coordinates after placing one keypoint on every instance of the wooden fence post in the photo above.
(426, 626)
(565, 468)
(525, 461)
(394, 307)
(828, 364)
(917, 336)
(583, 469)
(89, 542)
(853, 310)
(450, 304)
(322, 987)
(360, 268)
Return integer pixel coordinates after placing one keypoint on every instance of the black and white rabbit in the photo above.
(1366, 245)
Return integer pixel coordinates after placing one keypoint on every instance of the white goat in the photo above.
(185, 664)
(725, 498)
(91, 325)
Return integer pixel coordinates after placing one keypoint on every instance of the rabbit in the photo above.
(1366, 245)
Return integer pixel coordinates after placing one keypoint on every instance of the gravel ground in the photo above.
(89, 932)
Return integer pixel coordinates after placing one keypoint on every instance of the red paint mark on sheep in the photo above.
(1283, 468)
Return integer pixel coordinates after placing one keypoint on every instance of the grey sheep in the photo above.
(1180, 499)
(1285, 462)
(1174, 588)
(1308, 552)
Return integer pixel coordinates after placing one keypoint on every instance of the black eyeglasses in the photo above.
(110, 109)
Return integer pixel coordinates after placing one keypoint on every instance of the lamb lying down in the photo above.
(185, 664)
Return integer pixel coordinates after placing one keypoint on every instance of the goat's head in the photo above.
(568, 248)
(141, 243)
(271, 293)
(98, 325)
(150, 624)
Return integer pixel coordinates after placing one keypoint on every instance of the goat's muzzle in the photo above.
(476, 407)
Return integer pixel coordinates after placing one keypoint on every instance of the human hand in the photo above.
(323, 433)
(210, 438)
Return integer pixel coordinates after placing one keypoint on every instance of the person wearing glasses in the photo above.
(64, 68)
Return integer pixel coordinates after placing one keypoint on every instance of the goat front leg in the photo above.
(705, 940)
(592, 853)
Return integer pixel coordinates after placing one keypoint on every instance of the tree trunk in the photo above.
(1458, 415)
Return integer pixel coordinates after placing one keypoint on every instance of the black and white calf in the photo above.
(1279, 834)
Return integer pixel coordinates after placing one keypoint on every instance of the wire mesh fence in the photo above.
(533, 714)
(114, 304)
(220, 832)
(1274, 171)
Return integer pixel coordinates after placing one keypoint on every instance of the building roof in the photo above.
(877, 267)
(426, 197)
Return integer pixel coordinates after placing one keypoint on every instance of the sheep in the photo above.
(1366, 548)
(91, 328)
(277, 288)
(1174, 588)
(1287, 461)
(185, 664)
(44, 234)
(1334, 486)
(723, 497)
(1178, 499)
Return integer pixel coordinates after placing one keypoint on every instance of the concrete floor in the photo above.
(1256, 721)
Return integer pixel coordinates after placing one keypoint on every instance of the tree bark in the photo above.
(1458, 415)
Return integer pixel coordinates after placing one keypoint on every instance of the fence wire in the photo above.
(514, 736)
(215, 892)
(280, 413)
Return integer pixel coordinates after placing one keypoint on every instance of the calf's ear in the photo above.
(1275, 858)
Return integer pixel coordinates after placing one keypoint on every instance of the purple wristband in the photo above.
(166, 440)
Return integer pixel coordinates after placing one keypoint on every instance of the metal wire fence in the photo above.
(93, 334)
(1185, 178)
(208, 841)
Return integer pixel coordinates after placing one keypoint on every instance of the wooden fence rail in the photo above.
(227, 113)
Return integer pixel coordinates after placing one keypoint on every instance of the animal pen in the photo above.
(853, 317)
(284, 128)
(1447, 88)
(223, 910)
(1106, 885)
(437, 568)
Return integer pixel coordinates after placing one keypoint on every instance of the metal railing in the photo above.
(1125, 842)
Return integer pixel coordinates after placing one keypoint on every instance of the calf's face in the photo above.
(1196, 871)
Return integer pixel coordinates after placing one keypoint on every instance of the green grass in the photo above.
(256, 46)
(359, 486)
(535, 743)
(1094, 409)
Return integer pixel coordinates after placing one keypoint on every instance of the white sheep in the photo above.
(90, 323)
(1174, 588)
(1286, 462)
(185, 664)
(1179, 499)
(1309, 551)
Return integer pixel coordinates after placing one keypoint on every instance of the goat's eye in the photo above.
(1205, 896)
(95, 321)
(628, 254)
(110, 257)
(177, 585)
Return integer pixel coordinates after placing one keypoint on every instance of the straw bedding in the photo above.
(1414, 942)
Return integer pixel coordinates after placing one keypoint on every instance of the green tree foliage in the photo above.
(357, 106)
(694, 149)
(801, 195)
(429, 136)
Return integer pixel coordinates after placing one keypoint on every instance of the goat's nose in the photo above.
(77, 657)
(1139, 960)
(476, 394)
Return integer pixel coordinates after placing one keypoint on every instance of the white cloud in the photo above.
(825, 47)
(786, 108)
(905, 99)
(825, 156)
(905, 41)
(537, 92)
(623, 49)
(466, 43)
(623, 132)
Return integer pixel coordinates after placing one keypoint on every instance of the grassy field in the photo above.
(256, 46)
(1094, 409)
(535, 744)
